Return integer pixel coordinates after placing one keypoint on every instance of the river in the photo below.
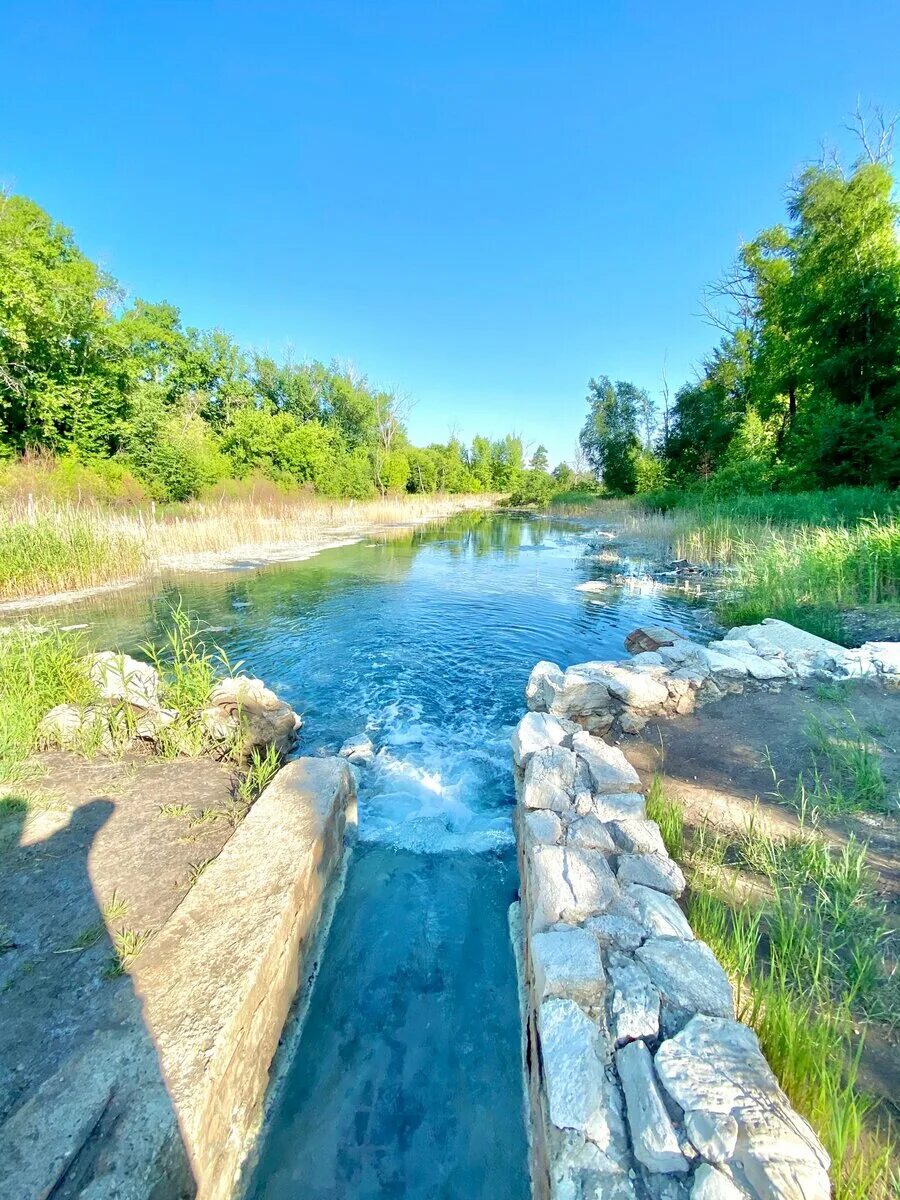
(407, 1076)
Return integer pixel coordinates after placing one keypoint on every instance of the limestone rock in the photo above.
(710, 1184)
(616, 806)
(245, 709)
(358, 749)
(633, 1001)
(592, 585)
(550, 779)
(658, 913)
(689, 980)
(544, 685)
(567, 963)
(120, 677)
(583, 692)
(611, 772)
(71, 726)
(572, 1056)
(568, 885)
(714, 1135)
(652, 1133)
(631, 722)
(536, 731)
(885, 655)
(636, 836)
(591, 833)
(651, 870)
(619, 927)
(758, 667)
(542, 825)
(716, 1066)
(636, 689)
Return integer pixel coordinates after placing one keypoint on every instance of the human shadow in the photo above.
(83, 1103)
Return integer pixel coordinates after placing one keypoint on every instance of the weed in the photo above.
(262, 769)
(175, 810)
(195, 870)
(858, 782)
(115, 908)
(127, 945)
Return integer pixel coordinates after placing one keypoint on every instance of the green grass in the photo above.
(803, 557)
(261, 770)
(38, 670)
(856, 781)
(807, 960)
(45, 555)
(668, 815)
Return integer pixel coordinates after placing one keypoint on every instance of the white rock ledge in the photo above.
(629, 1017)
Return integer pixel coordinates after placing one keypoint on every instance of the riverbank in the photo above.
(828, 562)
(773, 782)
(54, 552)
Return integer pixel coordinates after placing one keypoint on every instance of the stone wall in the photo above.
(642, 1085)
(670, 675)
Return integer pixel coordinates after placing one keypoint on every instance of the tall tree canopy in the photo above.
(609, 436)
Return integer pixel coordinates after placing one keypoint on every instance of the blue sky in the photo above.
(480, 204)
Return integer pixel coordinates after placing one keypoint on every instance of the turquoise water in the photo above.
(406, 1080)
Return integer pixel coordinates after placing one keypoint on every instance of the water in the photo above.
(406, 1081)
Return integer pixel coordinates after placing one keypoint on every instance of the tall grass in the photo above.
(49, 546)
(806, 960)
(37, 671)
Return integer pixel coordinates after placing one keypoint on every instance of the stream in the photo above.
(407, 1079)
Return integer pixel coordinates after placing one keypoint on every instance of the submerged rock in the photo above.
(358, 749)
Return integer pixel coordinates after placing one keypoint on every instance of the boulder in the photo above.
(885, 656)
(710, 1184)
(358, 749)
(120, 677)
(568, 885)
(689, 979)
(610, 771)
(590, 833)
(633, 1001)
(536, 731)
(592, 585)
(573, 1054)
(636, 836)
(544, 685)
(651, 870)
(630, 722)
(715, 1066)
(618, 928)
(550, 779)
(615, 806)
(636, 689)
(567, 963)
(713, 1135)
(658, 913)
(584, 692)
(244, 709)
(653, 1136)
(543, 826)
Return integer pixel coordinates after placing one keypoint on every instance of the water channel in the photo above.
(407, 1076)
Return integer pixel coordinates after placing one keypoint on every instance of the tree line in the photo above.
(128, 387)
(803, 389)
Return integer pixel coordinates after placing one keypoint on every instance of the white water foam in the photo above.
(434, 789)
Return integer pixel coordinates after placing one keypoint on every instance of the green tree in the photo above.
(62, 382)
(539, 460)
(609, 435)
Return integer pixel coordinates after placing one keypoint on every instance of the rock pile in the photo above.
(642, 1084)
(241, 712)
(670, 675)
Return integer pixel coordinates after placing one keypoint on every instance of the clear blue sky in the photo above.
(481, 204)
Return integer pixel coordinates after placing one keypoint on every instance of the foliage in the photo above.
(609, 435)
(175, 410)
(535, 488)
(38, 670)
(804, 389)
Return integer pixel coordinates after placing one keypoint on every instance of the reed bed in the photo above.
(48, 547)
